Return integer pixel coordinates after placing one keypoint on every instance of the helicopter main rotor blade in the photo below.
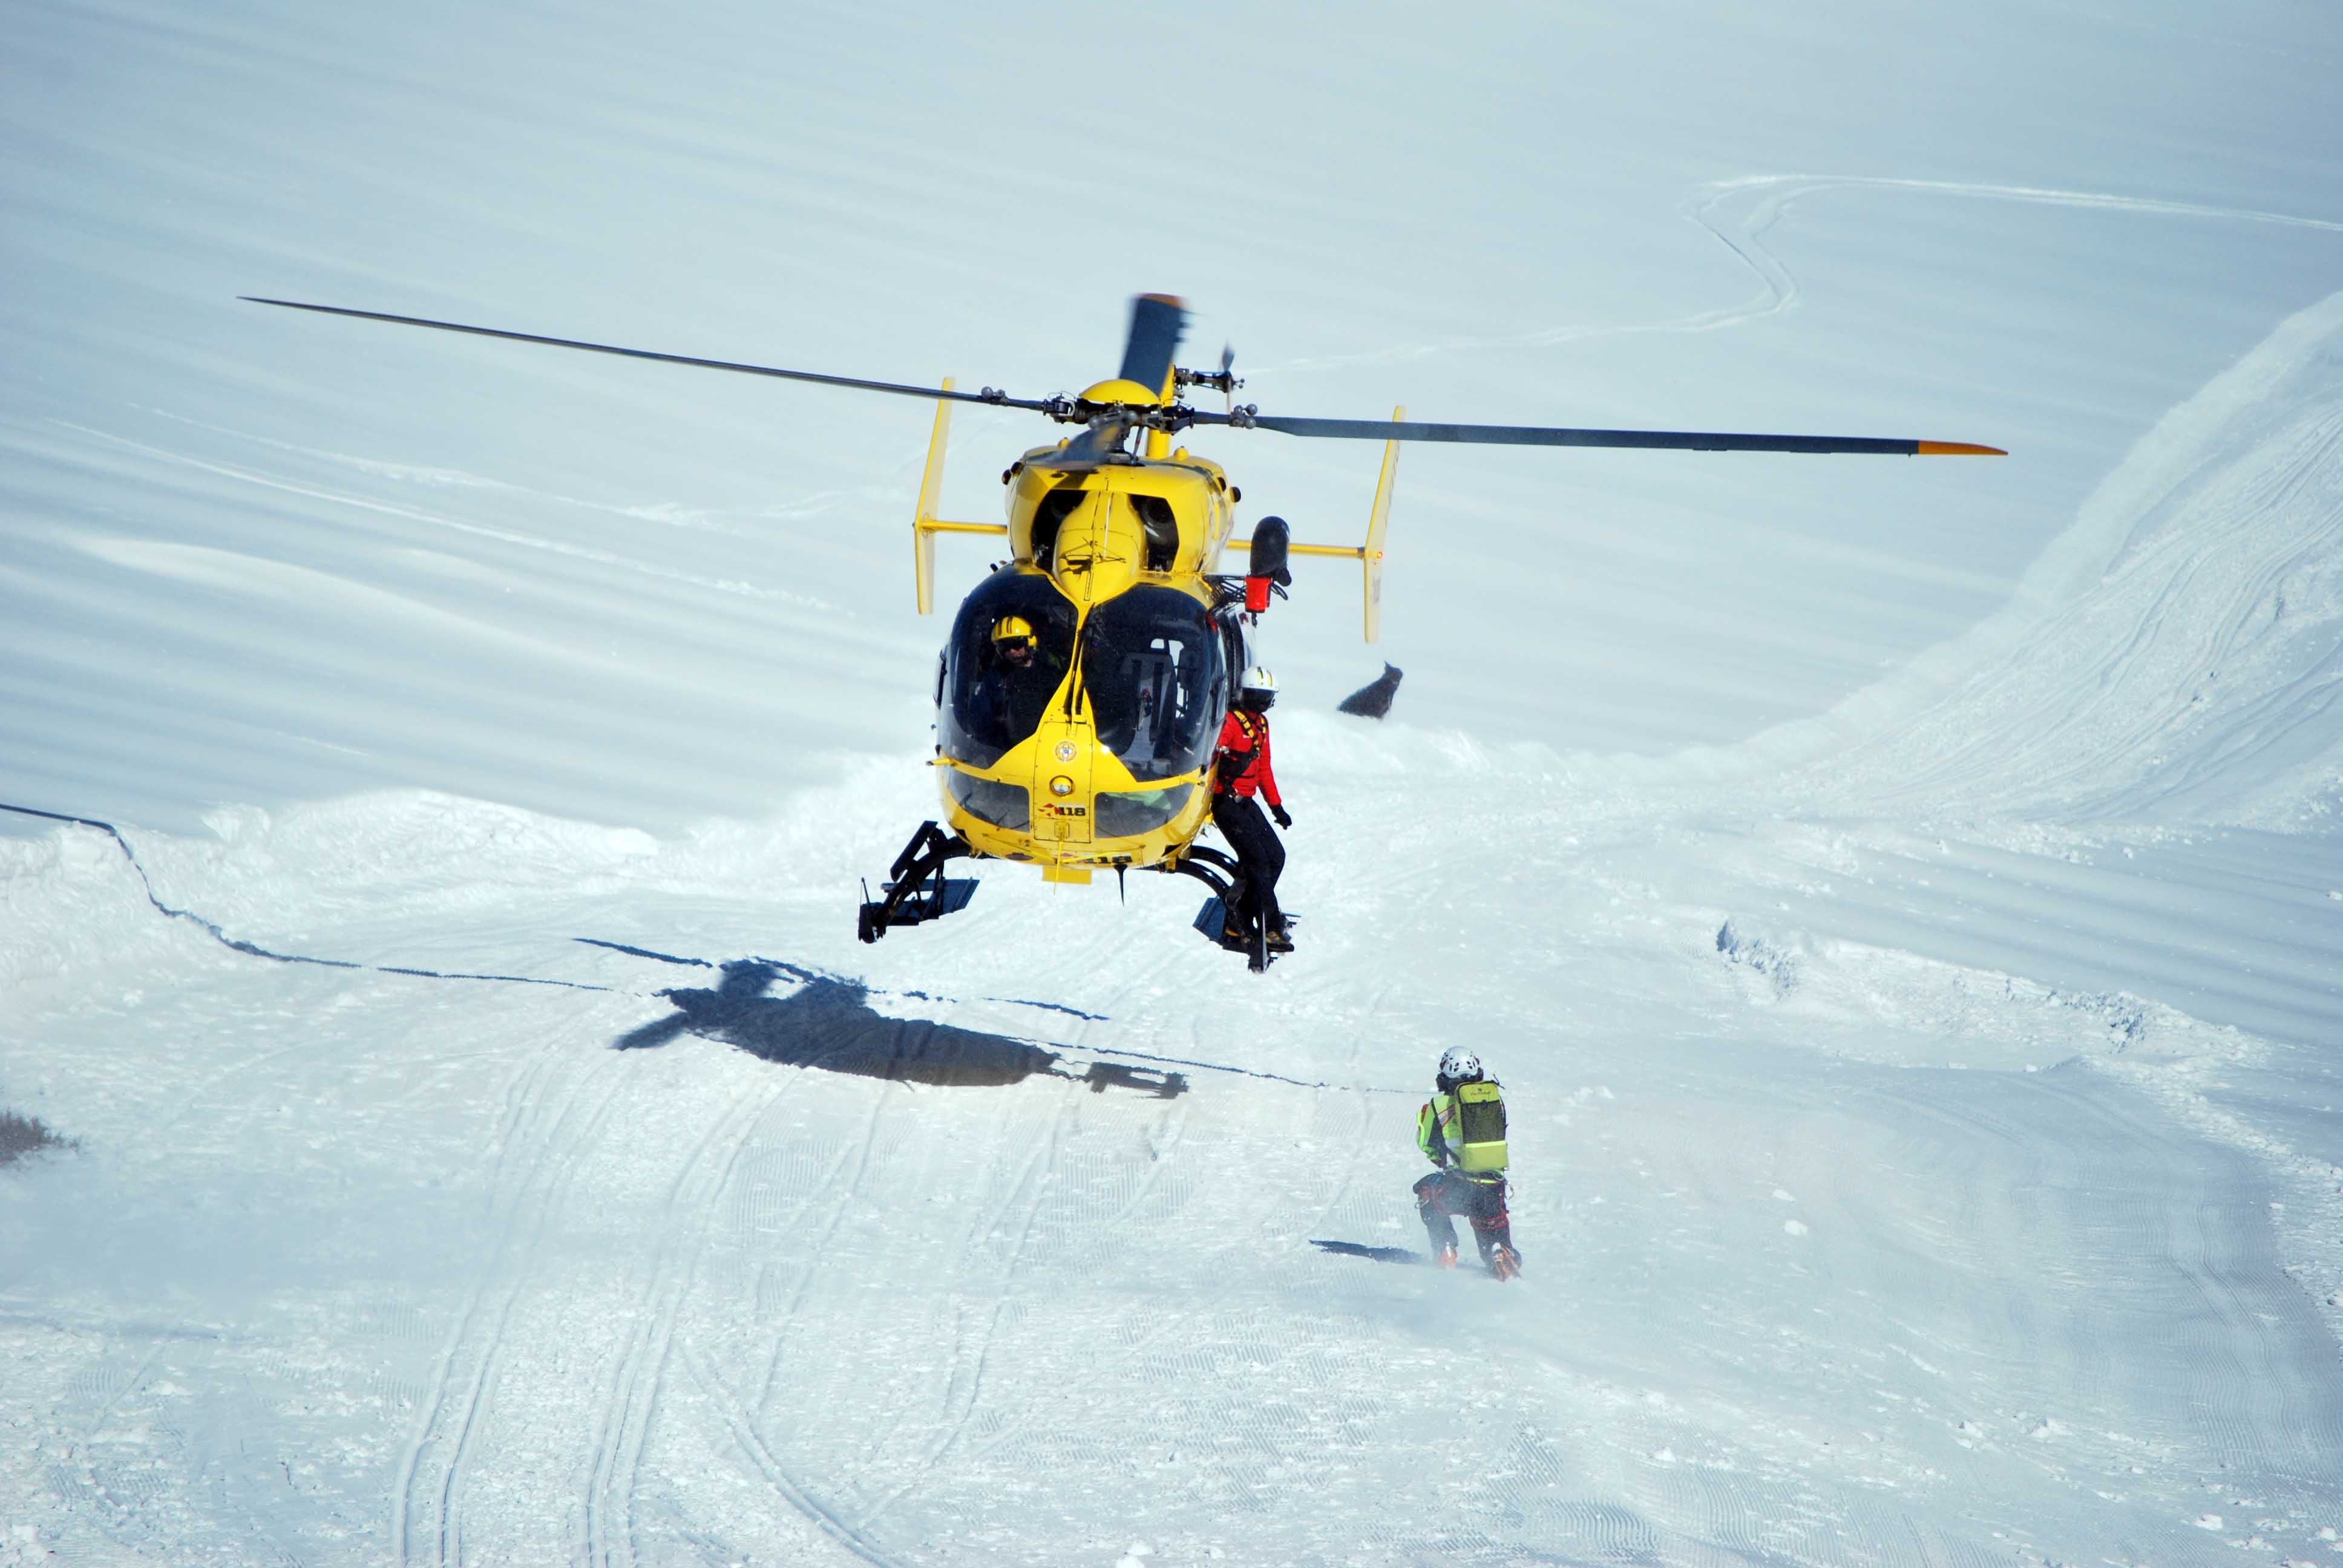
(1157, 321)
(993, 398)
(1543, 435)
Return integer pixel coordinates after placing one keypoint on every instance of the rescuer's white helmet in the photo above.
(1460, 1066)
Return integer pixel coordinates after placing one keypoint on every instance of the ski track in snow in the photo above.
(963, 1383)
(680, 1239)
(1776, 194)
(545, 1133)
(962, 1388)
(743, 1432)
(1769, 197)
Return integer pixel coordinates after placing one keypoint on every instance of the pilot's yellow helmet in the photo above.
(1013, 629)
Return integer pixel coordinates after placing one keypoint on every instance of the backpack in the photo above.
(1480, 1127)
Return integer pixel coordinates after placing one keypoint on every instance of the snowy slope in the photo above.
(1901, 899)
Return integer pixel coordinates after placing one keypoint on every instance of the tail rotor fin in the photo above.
(925, 524)
(1370, 555)
(1371, 558)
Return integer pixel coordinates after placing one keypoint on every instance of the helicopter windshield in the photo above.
(991, 699)
(1152, 664)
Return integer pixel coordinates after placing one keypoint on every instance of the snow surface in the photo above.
(1902, 899)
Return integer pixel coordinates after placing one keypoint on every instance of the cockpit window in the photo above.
(1152, 665)
(991, 703)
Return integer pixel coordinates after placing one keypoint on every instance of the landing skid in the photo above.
(1208, 866)
(917, 890)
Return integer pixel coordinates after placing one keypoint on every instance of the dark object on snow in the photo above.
(1374, 701)
(24, 1135)
(1378, 1254)
(1105, 1075)
(827, 1023)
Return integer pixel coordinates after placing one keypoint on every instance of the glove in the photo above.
(1285, 819)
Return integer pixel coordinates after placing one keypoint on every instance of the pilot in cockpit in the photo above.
(1023, 677)
(1013, 640)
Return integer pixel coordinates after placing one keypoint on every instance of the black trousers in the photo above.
(1446, 1192)
(1260, 857)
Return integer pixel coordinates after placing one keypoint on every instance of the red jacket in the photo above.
(1245, 734)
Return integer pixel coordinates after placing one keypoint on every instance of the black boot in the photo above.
(1236, 918)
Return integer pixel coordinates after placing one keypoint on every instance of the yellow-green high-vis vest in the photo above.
(1469, 1125)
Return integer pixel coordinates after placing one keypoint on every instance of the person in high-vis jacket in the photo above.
(1242, 772)
(1462, 1130)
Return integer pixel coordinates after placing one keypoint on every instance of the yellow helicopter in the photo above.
(1094, 750)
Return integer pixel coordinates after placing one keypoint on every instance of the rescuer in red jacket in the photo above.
(1243, 772)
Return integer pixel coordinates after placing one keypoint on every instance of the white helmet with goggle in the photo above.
(1459, 1066)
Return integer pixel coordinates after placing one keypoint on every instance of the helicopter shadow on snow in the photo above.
(829, 1023)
